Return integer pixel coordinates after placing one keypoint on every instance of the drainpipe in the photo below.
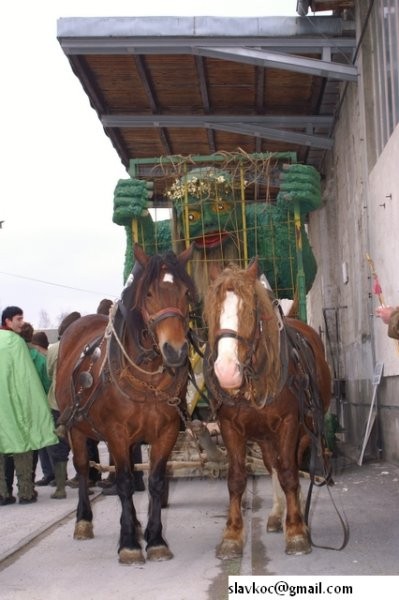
(302, 7)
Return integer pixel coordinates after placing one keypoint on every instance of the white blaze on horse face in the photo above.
(227, 368)
(168, 278)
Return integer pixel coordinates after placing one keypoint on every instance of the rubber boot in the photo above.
(60, 474)
(5, 496)
(23, 469)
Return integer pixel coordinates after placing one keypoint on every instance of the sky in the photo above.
(59, 249)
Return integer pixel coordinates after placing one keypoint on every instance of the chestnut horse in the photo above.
(268, 382)
(123, 380)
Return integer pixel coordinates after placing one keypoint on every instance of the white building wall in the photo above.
(384, 243)
(353, 223)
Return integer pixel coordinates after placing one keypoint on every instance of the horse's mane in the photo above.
(255, 303)
(143, 277)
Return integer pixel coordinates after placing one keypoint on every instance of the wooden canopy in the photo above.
(201, 85)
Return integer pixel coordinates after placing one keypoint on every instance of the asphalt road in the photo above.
(40, 560)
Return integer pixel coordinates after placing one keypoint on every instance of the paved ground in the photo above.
(39, 560)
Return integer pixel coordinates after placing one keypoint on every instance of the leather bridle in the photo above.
(251, 343)
(151, 321)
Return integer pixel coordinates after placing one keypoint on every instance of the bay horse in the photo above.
(123, 379)
(268, 382)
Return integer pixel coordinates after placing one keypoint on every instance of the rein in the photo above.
(310, 402)
(78, 411)
(110, 333)
(251, 343)
(249, 372)
(294, 350)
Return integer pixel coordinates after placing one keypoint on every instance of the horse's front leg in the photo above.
(129, 548)
(297, 536)
(84, 515)
(157, 548)
(232, 543)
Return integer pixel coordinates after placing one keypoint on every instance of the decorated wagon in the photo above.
(209, 279)
(232, 207)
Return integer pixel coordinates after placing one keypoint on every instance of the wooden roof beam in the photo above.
(148, 87)
(203, 83)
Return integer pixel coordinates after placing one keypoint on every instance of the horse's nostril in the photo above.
(175, 356)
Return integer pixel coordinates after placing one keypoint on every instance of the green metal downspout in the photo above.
(301, 284)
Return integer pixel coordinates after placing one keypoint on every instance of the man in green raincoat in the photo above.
(26, 423)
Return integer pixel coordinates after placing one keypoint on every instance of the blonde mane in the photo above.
(256, 304)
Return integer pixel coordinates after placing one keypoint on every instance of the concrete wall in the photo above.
(351, 224)
(384, 245)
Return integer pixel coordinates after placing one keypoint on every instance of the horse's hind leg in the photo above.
(275, 518)
(84, 515)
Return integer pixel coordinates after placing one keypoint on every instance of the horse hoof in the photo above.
(131, 556)
(274, 524)
(83, 530)
(299, 544)
(229, 549)
(159, 553)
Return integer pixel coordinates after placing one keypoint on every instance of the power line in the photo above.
(56, 284)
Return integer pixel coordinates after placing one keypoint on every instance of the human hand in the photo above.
(384, 313)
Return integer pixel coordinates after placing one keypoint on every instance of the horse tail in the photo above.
(293, 312)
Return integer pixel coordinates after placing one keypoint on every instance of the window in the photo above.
(385, 31)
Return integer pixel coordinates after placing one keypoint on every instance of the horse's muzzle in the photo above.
(174, 357)
(228, 373)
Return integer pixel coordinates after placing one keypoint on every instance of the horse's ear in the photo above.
(185, 256)
(214, 270)
(140, 255)
(253, 268)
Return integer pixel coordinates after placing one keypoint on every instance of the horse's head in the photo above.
(241, 321)
(162, 293)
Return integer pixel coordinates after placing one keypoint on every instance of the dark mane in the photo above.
(136, 367)
(152, 272)
(143, 277)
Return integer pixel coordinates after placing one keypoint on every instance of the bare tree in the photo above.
(61, 317)
(44, 319)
